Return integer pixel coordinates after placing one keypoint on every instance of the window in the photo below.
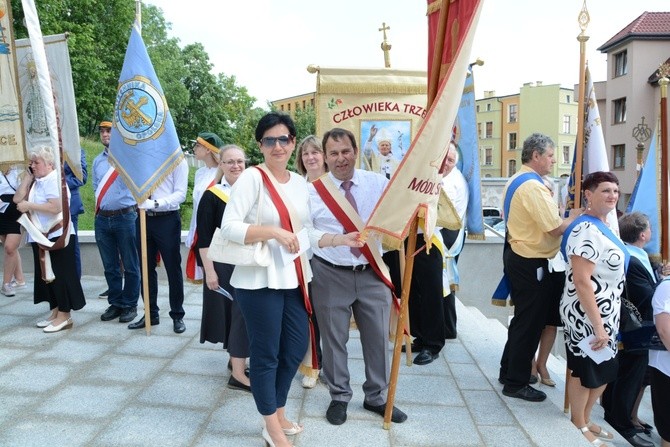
(311, 102)
(511, 168)
(512, 141)
(477, 108)
(621, 63)
(304, 104)
(282, 107)
(619, 156)
(512, 113)
(488, 107)
(566, 123)
(488, 156)
(289, 106)
(566, 155)
(567, 99)
(479, 130)
(619, 110)
(489, 129)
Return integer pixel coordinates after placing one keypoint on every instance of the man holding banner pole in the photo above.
(350, 280)
(533, 236)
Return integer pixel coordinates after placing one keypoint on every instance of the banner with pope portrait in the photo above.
(383, 108)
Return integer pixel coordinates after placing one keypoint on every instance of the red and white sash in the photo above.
(103, 186)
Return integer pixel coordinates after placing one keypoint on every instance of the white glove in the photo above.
(146, 205)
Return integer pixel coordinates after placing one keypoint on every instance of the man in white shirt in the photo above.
(164, 237)
(344, 282)
(456, 187)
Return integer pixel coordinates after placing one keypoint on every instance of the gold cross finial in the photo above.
(386, 47)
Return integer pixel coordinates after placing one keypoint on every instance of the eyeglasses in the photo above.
(232, 163)
(283, 141)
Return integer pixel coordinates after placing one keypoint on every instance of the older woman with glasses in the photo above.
(274, 299)
(222, 321)
(56, 278)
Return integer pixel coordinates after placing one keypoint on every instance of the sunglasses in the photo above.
(283, 141)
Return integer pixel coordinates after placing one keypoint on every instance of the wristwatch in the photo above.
(155, 203)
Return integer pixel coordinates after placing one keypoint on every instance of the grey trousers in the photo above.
(338, 293)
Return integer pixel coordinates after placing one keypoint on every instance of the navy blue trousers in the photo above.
(278, 334)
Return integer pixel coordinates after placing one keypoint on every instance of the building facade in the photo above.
(504, 122)
(631, 91)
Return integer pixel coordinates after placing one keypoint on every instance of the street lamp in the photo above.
(641, 133)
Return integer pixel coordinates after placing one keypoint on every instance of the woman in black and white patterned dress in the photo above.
(591, 300)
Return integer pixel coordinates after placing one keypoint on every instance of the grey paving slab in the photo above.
(487, 408)
(183, 390)
(74, 401)
(145, 425)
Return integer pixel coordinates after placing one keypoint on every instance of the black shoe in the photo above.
(337, 412)
(415, 347)
(638, 441)
(128, 315)
(139, 324)
(235, 384)
(104, 295)
(425, 357)
(397, 416)
(526, 393)
(179, 325)
(111, 313)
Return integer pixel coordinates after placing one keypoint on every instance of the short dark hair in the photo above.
(592, 180)
(337, 133)
(632, 225)
(535, 142)
(272, 119)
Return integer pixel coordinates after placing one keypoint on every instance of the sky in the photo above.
(268, 44)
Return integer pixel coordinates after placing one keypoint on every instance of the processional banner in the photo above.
(12, 145)
(378, 106)
(60, 72)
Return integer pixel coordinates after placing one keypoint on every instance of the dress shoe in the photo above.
(425, 357)
(639, 441)
(416, 347)
(235, 384)
(397, 416)
(532, 380)
(139, 324)
(67, 324)
(111, 313)
(178, 325)
(337, 412)
(44, 323)
(128, 315)
(526, 393)
(294, 430)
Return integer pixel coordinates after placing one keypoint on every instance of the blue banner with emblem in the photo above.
(144, 146)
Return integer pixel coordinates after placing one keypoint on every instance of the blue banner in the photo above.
(645, 197)
(468, 145)
(144, 146)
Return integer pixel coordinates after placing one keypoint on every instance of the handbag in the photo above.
(223, 250)
(636, 334)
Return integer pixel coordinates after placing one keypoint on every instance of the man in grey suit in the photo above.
(344, 282)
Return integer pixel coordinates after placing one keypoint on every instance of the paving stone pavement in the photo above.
(100, 384)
